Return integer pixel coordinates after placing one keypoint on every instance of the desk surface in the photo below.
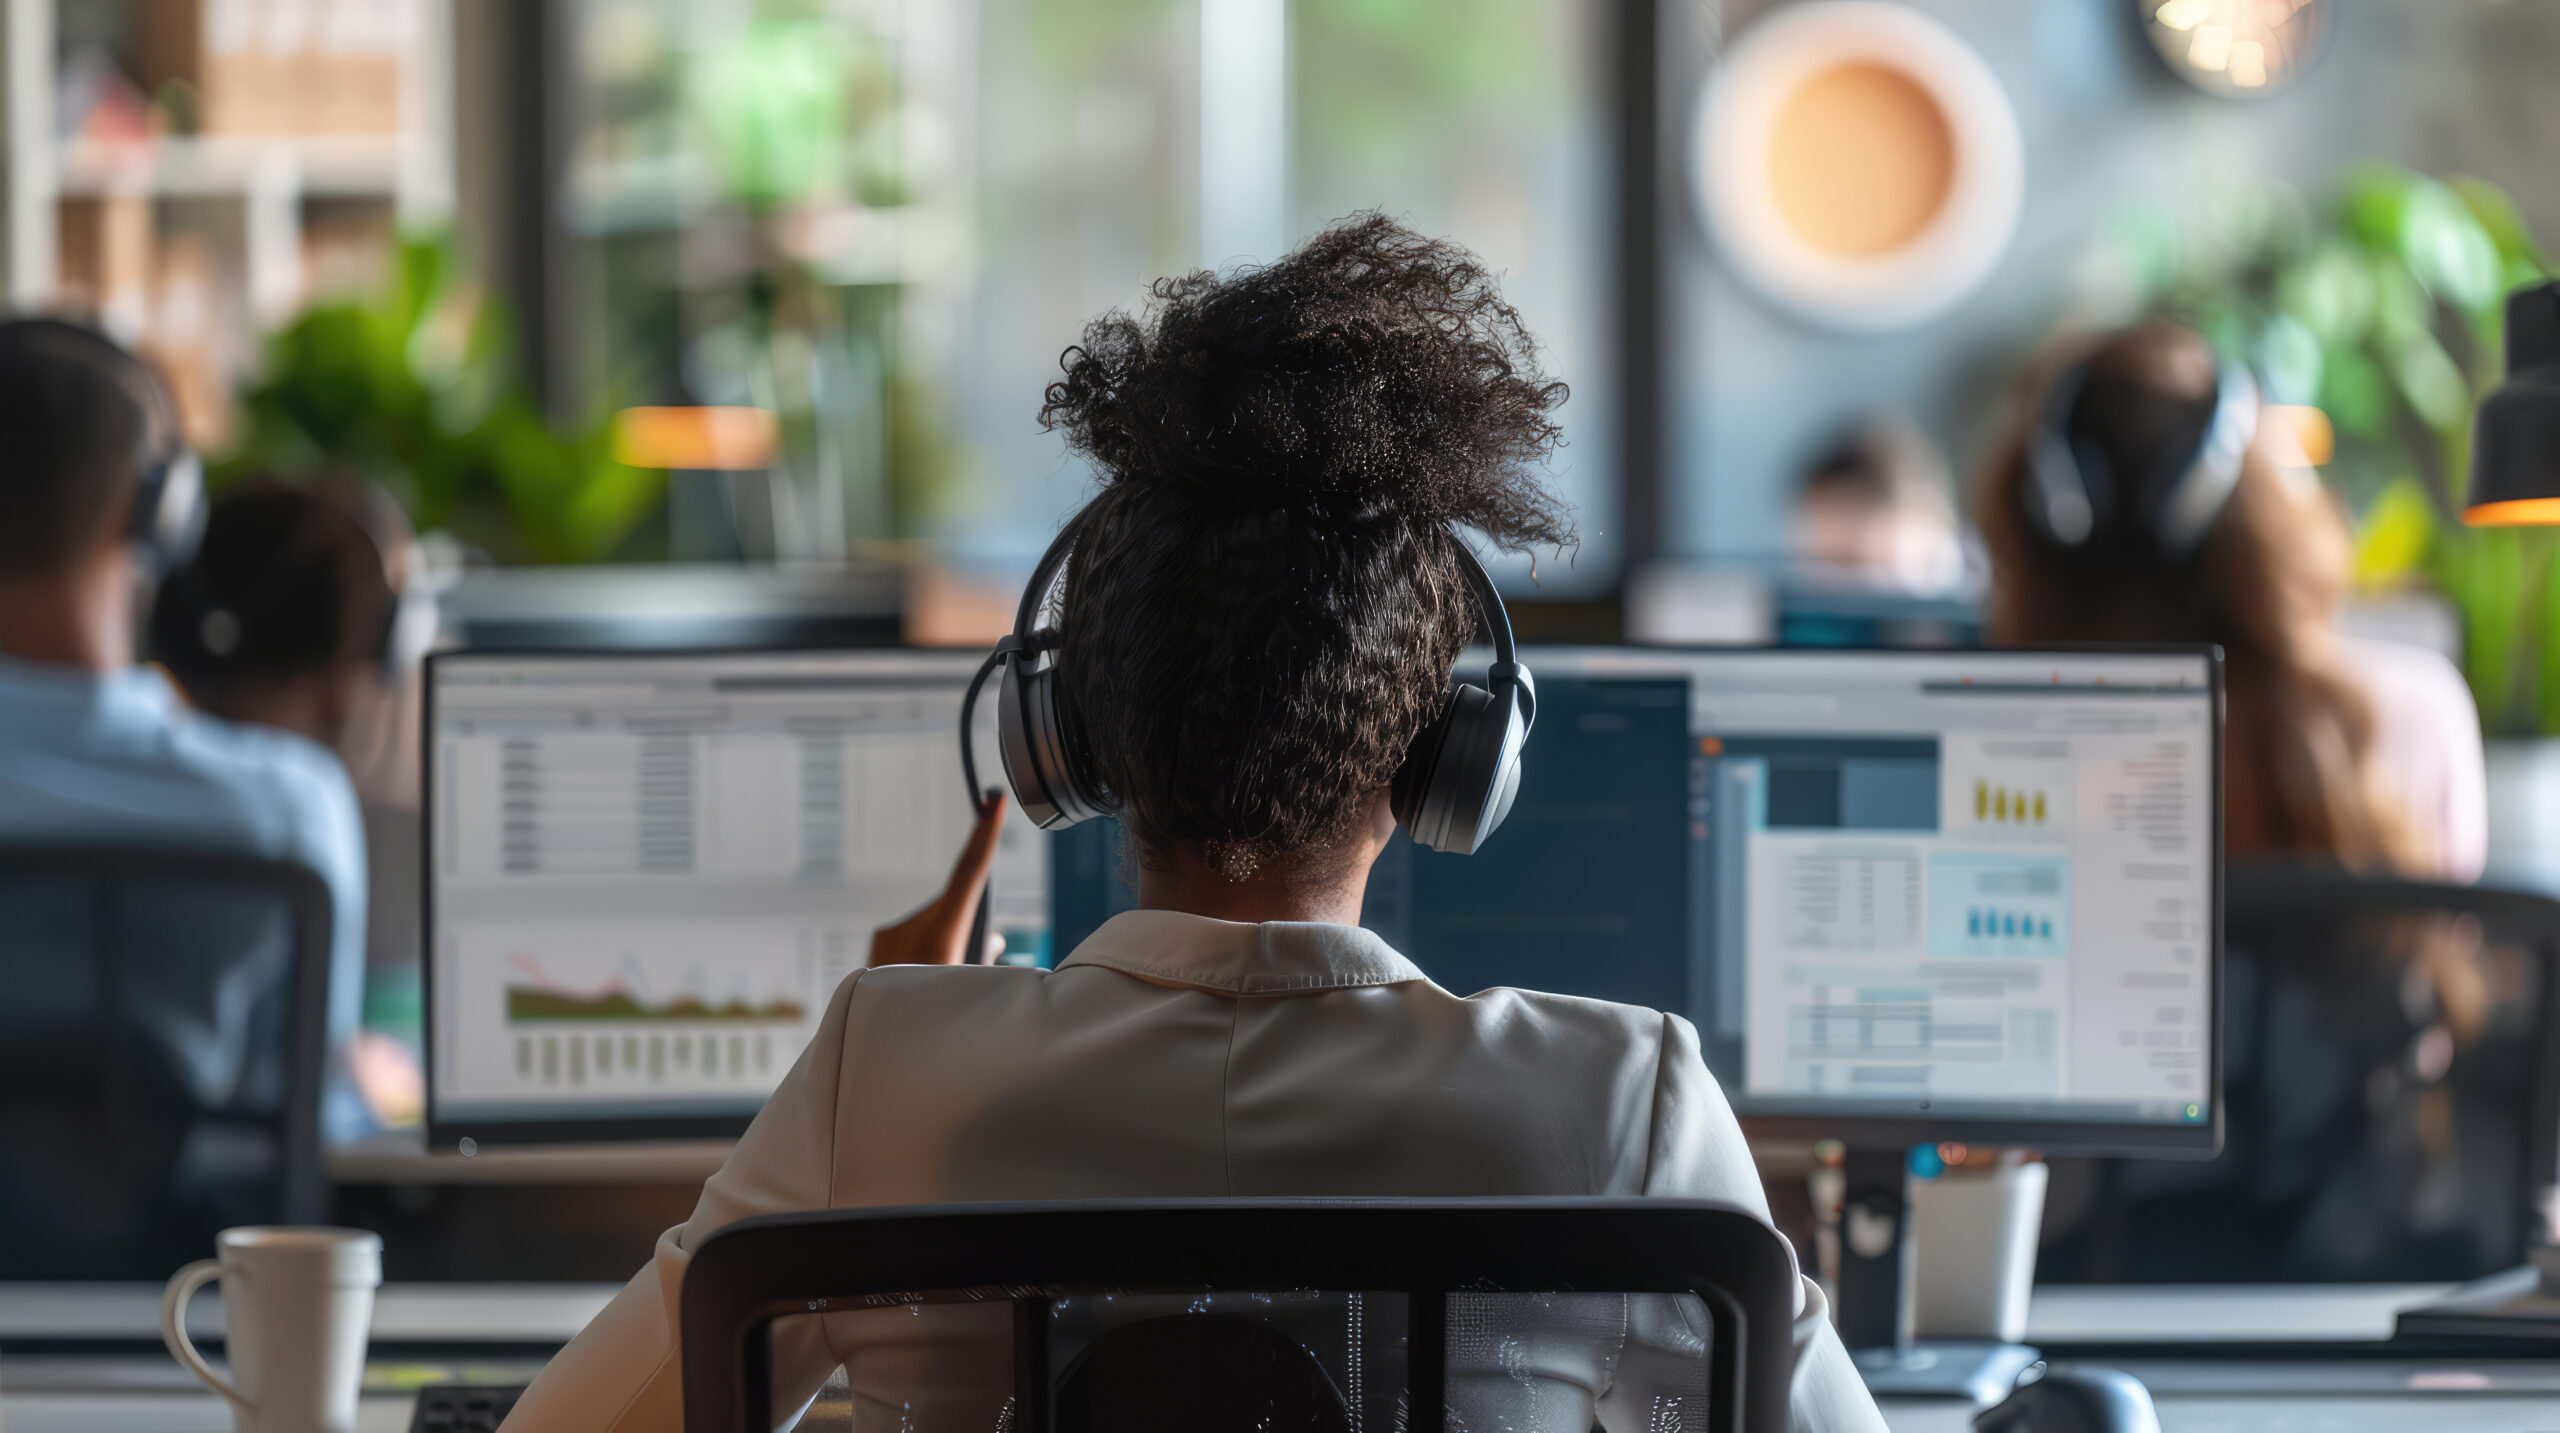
(402, 1313)
(401, 1157)
(2417, 1413)
(43, 1394)
(94, 1413)
(553, 1313)
(38, 1409)
(2221, 1313)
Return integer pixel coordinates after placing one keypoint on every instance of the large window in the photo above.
(1485, 121)
(883, 219)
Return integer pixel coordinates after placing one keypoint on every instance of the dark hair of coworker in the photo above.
(1265, 603)
(2302, 778)
(82, 419)
(286, 582)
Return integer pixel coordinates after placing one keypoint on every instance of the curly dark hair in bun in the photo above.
(1265, 601)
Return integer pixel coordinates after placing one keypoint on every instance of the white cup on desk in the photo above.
(1974, 1235)
(297, 1305)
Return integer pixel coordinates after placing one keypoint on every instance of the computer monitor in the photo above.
(1905, 897)
(647, 873)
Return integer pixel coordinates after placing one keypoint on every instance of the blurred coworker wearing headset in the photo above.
(99, 492)
(2140, 499)
(1256, 625)
(302, 610)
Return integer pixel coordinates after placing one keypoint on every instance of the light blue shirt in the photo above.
(120, 759)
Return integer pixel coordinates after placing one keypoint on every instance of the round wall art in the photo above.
(1858, 163)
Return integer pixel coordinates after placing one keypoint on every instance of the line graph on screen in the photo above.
(533, 995)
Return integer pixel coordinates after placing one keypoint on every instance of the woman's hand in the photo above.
(939, 933)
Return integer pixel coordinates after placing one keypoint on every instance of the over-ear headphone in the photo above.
(169, 512)
(1454, 789)
(409, 629)
(2075, 499)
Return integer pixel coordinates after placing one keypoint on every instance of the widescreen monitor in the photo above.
(646, 873)
(1903, 896)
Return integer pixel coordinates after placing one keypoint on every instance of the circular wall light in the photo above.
(1858, 163)
(2239, 49)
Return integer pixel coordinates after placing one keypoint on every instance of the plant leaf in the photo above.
(2394, 536)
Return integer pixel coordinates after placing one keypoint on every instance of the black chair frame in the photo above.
(757, 1270)
(2280, 919)
(303, 1180)
(2260, 895)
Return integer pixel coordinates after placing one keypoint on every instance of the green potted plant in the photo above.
(418, 388)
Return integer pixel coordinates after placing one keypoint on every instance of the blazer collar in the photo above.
(1237, 958)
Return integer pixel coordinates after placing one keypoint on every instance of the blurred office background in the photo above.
(767, 290)
(702, 322)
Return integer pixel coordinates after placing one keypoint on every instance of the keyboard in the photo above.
(462, 1408)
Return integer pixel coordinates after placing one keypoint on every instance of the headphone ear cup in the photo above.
(409, 632)
(1046, 784)
(1461, 775)
(169, 513)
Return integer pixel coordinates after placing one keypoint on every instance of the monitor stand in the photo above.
(1876, 1296)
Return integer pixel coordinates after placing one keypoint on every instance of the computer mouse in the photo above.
(2073, 1400)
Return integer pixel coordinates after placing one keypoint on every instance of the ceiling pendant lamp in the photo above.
(2515, 439)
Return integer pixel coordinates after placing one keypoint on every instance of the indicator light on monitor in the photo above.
(2515, 445)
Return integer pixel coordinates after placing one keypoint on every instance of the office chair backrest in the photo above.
(2391, 1052)
(162, 1023)
(1190, 1373)
(1245, 1316)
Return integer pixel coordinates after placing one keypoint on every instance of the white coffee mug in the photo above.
(297, 1305)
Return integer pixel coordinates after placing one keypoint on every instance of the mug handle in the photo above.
(173, 1326)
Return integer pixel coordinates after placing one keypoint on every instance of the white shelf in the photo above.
(270, 175)
(208, 166)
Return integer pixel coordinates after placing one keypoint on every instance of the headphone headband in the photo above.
(1045, 575)
(1454, 788)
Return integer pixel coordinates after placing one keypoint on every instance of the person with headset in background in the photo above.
(298, 612)
(99, 494)
(1249, 662)
(2141, 498)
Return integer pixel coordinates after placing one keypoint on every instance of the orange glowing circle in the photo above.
(1862, 159)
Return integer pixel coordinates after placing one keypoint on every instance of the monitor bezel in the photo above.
(2200, 1139)
(445, 1131)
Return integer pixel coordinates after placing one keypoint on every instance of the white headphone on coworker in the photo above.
(1455, 787)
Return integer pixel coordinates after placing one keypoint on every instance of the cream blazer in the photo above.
(1176, 1056)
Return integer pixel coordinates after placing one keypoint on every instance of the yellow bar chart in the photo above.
(1997, 804)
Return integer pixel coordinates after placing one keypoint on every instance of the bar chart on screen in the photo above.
(1995, 905)
(2009, 790)
(665, 1009)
